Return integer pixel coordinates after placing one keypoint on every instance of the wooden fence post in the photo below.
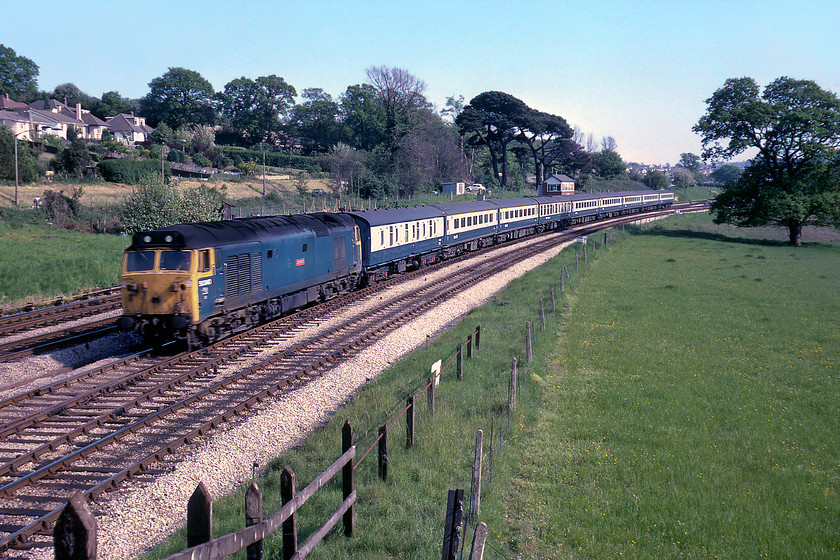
(460, 362)
(562, 283)
(74, 535)
(382, 465)
(409, 422)
(584, 252)
(287, 494)
(347, 477)
(452, 526)
(475, 491)
(469, 347)
(528, 351)
(513, 382)
(480, 537)
(542, 316)
(478, 338)
(254, 515)
(553, 304)
(430, 395)
(576, 259)
(199, 516)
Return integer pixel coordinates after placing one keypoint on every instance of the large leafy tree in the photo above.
(544, 135)
(362, 117)
(402, 96)
(18, 74)
(315, 120)
(179, 97)
(111, 104)
(609, 165)
(493, 119)
(794, 125)
(256, 107)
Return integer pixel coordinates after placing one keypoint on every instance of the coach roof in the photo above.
(388, 216)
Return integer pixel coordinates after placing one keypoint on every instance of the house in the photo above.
(87, 125)
(7, 104)
(557, 184)
(129, 128)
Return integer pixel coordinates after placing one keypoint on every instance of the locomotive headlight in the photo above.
(147, 239)
(189, 283)
(168, 239)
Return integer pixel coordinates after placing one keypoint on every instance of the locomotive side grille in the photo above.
(256, 271)
(244, 274)
(238, 275)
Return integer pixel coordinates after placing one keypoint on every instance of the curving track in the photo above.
(94, 430)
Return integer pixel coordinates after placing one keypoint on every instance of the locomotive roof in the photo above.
(211, 234)
(394, 215)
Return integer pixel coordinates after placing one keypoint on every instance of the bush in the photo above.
(273, 159)
(202, 160)
(131, 172)
(153, 205)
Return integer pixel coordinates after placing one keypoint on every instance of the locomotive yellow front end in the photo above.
(159, 286)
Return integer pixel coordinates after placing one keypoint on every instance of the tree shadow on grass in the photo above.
(725, 238)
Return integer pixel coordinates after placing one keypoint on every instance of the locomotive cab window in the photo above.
(174, 260)
(140, 261)
(204, 260)
(305, 246)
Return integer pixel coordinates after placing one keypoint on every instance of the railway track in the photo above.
(15, 326)
(96, 429)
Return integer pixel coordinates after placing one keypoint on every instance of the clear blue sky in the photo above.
(639, 71)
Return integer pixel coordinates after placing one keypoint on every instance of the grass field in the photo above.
(39, 262)
(692, 408)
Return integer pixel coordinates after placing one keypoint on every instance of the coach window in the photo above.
(305, 246)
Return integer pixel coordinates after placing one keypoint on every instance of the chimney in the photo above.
(78, 111)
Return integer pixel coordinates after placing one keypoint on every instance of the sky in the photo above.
(638, 71)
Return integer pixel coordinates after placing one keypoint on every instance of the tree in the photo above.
(544, 134)
(609, 165)
(726, 174)
(493, 119)
(683, 178)
(362, 117)
(402, 97)
(76, 156)
(656, 180)
(26, 163)
(177, 98)
(70, 94)
(690, 161)
(315, 121)
(112, 104)
(18, 74)
(795, 127)
(256, 107)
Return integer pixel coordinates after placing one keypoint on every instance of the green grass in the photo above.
(38, 262)
(693, 407)
(683, 403)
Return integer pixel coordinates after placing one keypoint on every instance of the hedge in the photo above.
(130, 171)
(274, 159)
